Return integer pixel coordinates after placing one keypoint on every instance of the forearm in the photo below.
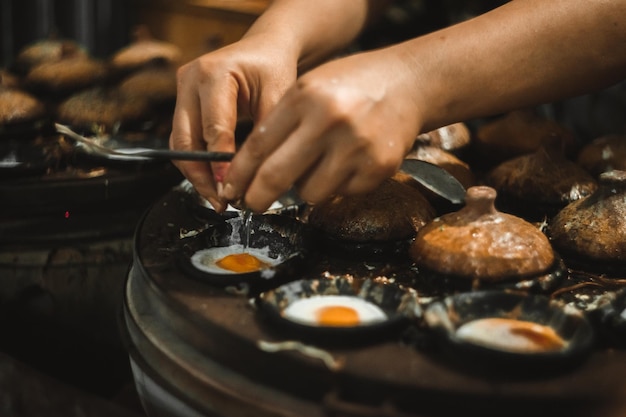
(524, 53)
(314, 30)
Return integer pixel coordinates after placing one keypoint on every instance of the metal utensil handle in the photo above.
(159, 154)
(183, 155)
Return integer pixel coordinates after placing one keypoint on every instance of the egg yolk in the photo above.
(511, 334)
(241, 262)
(544, 338)
(337, 316)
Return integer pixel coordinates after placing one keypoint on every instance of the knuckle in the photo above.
(382, 166)
(333, 103)
(385, 163)
(312, 195)
(216, 135)
(200, 70)
(175, 141)
(183, 70)
(272, 179)
(254, 148)
(186, 72)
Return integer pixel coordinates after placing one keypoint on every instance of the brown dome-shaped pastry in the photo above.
(393, 211)
(452, 138)
(605, 153)
(157, 84)
(480, 243)
(541, 183)
(17, 106)
(66, 75)
(591, 232)
(100, 110)
(145, 50)
(45, 51)
(9, 79)
(518, 133)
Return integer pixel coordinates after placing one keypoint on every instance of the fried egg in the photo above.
(234, 259)
(511, 335)
(334, 310)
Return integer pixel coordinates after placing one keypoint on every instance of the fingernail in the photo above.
(227, 192)
(217, 204)
(219, 171)
(219, 187)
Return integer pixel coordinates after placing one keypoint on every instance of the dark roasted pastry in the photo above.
(539, 184)
(393, 211)
(518, 133)
(592, 231)
(604, 154)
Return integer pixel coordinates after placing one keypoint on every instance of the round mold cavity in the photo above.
(509, 333)
(385, 309)
(279, 242)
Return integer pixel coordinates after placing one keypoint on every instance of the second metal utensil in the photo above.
(436, 179)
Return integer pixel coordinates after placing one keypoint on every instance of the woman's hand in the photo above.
(242, 80)
(342, 128)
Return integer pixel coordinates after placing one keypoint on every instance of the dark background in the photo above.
(101, 26)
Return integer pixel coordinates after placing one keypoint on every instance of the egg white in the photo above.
(499, 334)
(206, 259)
(304, 310)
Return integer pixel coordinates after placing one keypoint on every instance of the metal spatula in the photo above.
(435, 178)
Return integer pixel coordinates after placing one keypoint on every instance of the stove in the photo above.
(199, 350)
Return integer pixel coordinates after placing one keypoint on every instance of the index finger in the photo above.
(280, 151)
(186, 135)
(204, 119)
(218, 110)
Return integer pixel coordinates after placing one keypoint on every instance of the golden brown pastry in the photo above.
(145, 50)
(100, 109)
(452, 138)
(66, 75)
(156, 84)
(46, 51)
(479, 242)
(9, 79)
(17, 106)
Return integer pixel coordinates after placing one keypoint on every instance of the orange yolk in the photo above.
(337, 316)
(241, 262)
(544, 338)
